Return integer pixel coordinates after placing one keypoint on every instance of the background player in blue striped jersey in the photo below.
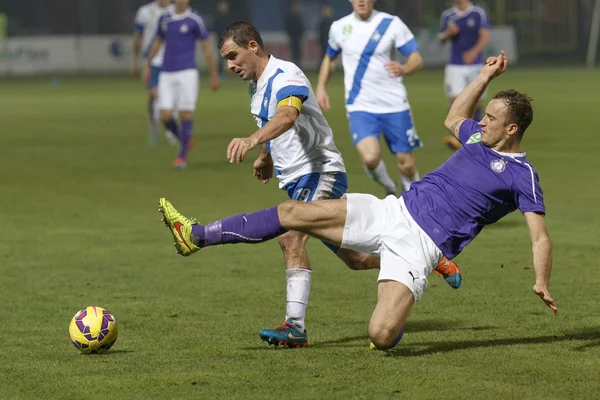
(376, 99)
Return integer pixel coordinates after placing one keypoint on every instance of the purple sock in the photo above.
(172, 126)
(186, 134)
(478, 114)
(256, 227)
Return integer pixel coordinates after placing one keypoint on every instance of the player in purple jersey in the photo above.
(482, 182)
(467, 28)
(178, 83)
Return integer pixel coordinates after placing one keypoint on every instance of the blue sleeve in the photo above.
(138, 28)
(469, 132)
(409, 47)
(292, 90)
(331, 52)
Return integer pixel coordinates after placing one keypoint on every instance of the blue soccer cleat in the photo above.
(286, 335)
(450, 272)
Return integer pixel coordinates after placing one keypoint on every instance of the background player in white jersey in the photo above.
(179, 29)
(413, 232)
(467, 28)
(297, 145)
(146, 24)
(376, 99)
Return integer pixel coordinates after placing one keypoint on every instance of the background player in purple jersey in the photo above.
(482, 182)
(467, 28)
(178, 82)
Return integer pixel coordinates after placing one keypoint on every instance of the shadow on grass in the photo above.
(591, 334)
(363, 340)
(110, 353)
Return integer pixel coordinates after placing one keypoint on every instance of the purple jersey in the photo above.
(475, 187)
(180, 33)
(469, 23)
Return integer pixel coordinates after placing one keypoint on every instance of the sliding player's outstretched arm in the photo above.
(542, 256)
(464, 105)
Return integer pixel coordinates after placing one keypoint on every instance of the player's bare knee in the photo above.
(383, 335)
(371, 160)
(186, 115)
(406, 163)
(166, 115)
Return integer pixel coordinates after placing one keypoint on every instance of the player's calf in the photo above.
(358, 261)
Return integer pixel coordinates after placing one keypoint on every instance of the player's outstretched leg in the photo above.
(450, 272)
(321, 219)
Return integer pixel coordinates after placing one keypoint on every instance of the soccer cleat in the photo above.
(452, 142)
(286, 335)
(179, 164)
(180, 227)
(450, 272)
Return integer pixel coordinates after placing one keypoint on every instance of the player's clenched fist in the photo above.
(495, 66)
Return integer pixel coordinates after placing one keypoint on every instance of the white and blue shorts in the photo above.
(319, 186)
(398, 129)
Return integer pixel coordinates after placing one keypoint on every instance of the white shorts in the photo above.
(457, 77)
(385, 228)
(178, 90)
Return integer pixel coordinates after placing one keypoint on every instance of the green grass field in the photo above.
(79, 190)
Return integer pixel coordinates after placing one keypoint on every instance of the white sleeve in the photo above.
(333, 44)
(286, 85)
(404, 40)
(140, 20)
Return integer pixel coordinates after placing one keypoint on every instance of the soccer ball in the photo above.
(93, 330)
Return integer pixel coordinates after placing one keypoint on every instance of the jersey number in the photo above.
(303, 194)
(412, 136)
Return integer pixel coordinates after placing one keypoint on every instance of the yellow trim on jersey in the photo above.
(291, 101)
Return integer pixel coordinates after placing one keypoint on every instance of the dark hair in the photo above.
(519, 110)
(241, 33)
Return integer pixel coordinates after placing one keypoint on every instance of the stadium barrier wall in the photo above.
(112, 53)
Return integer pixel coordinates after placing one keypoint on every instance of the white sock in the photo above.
(380, 175)
(406, 181)
(156, 112)
(298, 289)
